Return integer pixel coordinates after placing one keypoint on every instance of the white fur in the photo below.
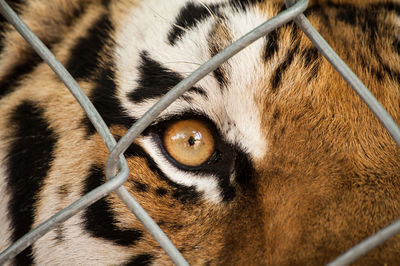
(184, 58)
(78, 244)
(233, 109)
(79, 247)
(207, 184)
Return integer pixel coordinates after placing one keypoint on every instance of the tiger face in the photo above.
(270, 159)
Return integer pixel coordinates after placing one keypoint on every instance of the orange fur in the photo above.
(330, 177)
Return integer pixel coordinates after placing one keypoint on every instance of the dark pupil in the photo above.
(191, 140)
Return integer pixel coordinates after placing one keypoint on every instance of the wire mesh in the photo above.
(117, 161)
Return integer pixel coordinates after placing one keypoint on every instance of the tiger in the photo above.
(271, 159)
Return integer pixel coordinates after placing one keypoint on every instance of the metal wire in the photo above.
(198, 74)
(64, 215)
(351, 78)
(61, 72)
(366, 245)
(116, 154)
(178, 90)
(116, 158)
(380, 112)
(108, 139)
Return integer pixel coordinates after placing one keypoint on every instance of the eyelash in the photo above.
(214, 158)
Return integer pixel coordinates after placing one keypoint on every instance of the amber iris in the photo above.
(189, 142)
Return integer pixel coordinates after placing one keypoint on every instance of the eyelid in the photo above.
(170, 118)
(160, 145)
(218, 163)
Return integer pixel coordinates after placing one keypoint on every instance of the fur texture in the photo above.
(303, 169)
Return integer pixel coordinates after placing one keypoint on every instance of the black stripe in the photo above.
(161, 191)
(396, 46)
(296, 32)
(139, 186)
(366, 18)
(350, 14)
(189, 17)
(31, 153)
(271, 44)
(16, 5)
(276, 114)
(220, 77)
(392, 74)
(244, 4)
(280, 70)
(155, 80)
(32, 59)
(312, 61)
(214, 48)
(99, 219)
(198, 91)
(390, 6)
(64, 190)
(85, 54)
(105, 3)
(71, 17)
(271, 40)
(320, 11)
(59, 230)
(313, 73)
(182, 193)
(18, 72)
(384, 70)
(140, 260)
(310, 56)
(106, 102)
(245, 172)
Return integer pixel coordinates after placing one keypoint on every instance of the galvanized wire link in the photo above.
(366, 245)
(116, 158)
(198, 74)
(177, 91)
(351, 78)
(108, 139)
(61, 72)
(380, 112)
(64, 215)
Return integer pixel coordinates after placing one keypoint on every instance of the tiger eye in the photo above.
(189, 142)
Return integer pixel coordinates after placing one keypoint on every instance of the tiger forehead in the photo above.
(173, 46)
(243, 94)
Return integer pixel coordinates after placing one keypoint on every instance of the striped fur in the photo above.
(304, 170)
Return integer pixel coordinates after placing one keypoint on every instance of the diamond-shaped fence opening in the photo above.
(116, 167)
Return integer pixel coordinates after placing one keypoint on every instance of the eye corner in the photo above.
(215, 157)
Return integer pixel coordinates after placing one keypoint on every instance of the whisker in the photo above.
(182, 62)
(169, 22)
(208, 9)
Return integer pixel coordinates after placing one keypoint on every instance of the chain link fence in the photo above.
(116, 167)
